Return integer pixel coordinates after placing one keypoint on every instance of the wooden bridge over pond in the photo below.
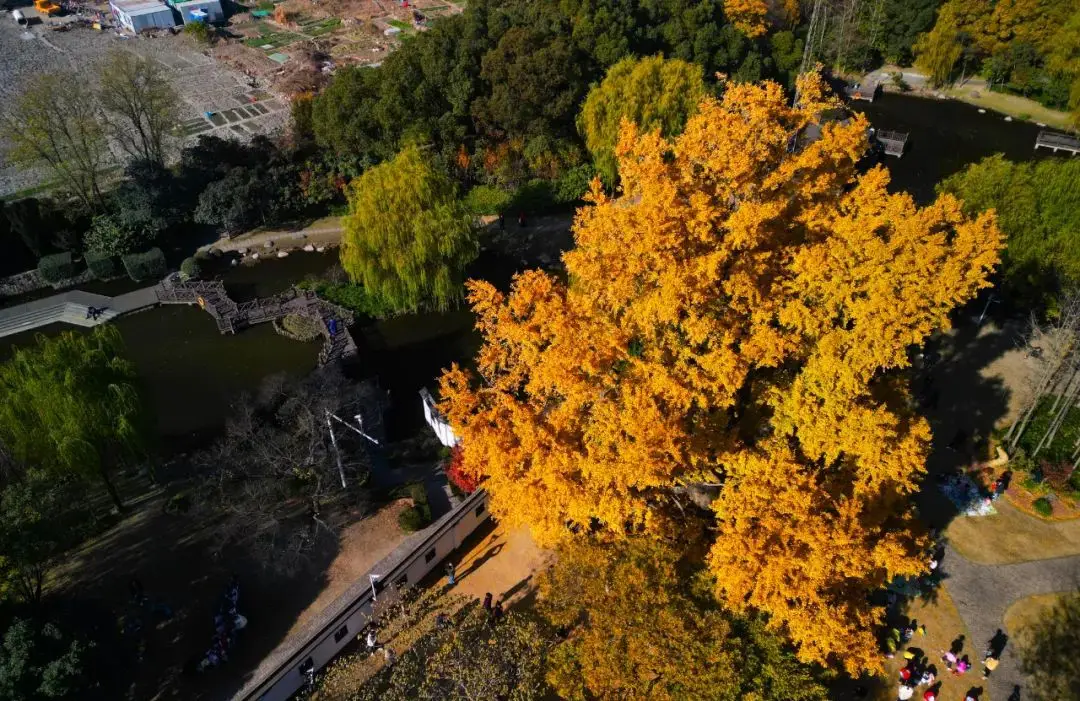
(231, 316)
(865, 90)
(892, 141)
(1057, 142)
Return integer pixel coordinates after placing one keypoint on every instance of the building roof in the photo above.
(196, 3)
(134, 8)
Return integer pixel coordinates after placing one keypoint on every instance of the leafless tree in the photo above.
(274, 477)
(1055, 346)
(56, 124)
(139, 105)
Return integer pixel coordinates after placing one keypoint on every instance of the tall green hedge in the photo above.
(102, 265)
(57, 267)
(145, 266)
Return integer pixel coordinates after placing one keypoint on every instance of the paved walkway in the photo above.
(983, 593)
(70, 307)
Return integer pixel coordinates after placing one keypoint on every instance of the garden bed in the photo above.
(1025, 494)
(1044, 480)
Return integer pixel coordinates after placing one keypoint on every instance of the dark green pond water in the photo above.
(192, 374)
(944, 137)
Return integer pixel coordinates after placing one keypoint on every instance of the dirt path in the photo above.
(362, 545)
(983, 593)
(324, 232)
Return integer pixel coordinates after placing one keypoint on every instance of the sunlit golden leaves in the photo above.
(730, 319)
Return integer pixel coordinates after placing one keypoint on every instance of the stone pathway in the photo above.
(278, 240)
(70, 307)
(983, 593)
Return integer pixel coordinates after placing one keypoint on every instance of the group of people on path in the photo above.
(495, 611)
(918, 672)
(227, 623)
(95, 312)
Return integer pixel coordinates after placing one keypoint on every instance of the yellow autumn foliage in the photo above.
(749, 16)
(734, 318)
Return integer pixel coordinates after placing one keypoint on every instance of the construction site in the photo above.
(236, 79)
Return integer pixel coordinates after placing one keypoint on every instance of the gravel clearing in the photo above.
(203, 85)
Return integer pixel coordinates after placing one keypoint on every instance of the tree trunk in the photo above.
(1047, 384)
(1060, 411)
(111, 488)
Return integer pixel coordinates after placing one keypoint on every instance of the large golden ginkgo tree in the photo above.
(734, 318)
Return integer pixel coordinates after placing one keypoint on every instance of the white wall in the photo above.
(438, 424)
(212, 9)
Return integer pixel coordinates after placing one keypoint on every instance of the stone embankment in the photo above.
(71, 308)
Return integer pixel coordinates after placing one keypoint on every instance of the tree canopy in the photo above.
(274, 478)
(1038, 209)
(407, 236)
(503, 80)
(470, 657)
(71, 406)
(38, 662)
(1028, 47)
(642, 625)
(40, 517)
(653, 93)
(56, 124)
(731, 322)
(139, 104)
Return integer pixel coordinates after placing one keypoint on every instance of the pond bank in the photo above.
(325, 232)
(945, 136)
(975, 92)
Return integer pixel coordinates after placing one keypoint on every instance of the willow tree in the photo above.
(70, 406)
(653, 93)
(735, 322)
(407, 236)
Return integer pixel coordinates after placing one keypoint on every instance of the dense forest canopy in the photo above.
(497, 88)
(1030, 47)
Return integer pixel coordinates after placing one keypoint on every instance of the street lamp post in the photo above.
(374, 578)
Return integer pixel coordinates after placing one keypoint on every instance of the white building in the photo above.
(137, 15)
(208, 11)
(442, 429)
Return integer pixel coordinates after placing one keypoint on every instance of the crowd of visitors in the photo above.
(228, 622)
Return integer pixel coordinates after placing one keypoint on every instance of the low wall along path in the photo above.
(71, 308)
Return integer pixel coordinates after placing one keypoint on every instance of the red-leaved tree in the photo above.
(455, 472)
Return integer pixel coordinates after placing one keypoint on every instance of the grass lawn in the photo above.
(943, 625)
(405, 27)
(1030, 610)
(1012, 536)
(1014, 105)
